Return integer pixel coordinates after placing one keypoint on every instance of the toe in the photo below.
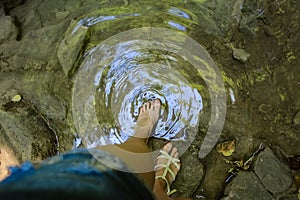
(156, 104)
(146, 106)
(176, 155)
(167, 148)
(174, 151)
(142, 109)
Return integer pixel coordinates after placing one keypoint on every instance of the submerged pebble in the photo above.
(240, 54)
(296, 119)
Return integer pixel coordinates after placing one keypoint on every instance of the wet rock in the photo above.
(240, 54)
(294, 162)
(272, 173)
(26, 132)
(246, 185)
(291, 197)
(8, 29)
(247, 25)
(9, 4)
(296, 119)
(190, 175)
(2, 11)
(71, 45)
(36, 50)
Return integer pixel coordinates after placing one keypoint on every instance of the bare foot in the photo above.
(148, 117)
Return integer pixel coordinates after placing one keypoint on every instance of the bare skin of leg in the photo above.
(147, 119)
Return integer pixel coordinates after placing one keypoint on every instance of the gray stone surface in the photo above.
(27, 135)
(272, 173)
(8, 29)
(190, 175)
(2, 12)
(70, 46)
(246, 186)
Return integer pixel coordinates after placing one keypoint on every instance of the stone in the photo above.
(26, 132)
(240, 54)
(9, 4)
(291, 197)
(296, 119)
(71, 45)
(272, 173)
(8, 30)
(189, 176)
(246, 185)
(2, 11)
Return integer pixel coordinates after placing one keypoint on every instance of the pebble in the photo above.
(296, 119)
(16, 98)
(240, 54)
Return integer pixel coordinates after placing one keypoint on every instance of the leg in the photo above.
(147, 119)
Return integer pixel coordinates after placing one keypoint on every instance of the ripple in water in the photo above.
(133, 78)
(120, 74)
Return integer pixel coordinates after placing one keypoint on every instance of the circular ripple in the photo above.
(123, 72)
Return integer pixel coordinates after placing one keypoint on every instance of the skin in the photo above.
(147, 119)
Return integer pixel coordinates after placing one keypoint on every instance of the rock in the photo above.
(36, 50)
(26, 132)
(272, 173)
(8, 29)
(246, 186)
(70, 46)
(240, 54)
(292, 197)
(9, 4)
(190, 175)
(294, 163)
(296, 119)
(2, 11)
(247, 25)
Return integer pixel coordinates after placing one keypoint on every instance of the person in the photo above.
(79, 174)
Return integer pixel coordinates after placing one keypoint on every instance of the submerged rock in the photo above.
(26, 132)
(246, 186)
(70, 46)
(272, 173)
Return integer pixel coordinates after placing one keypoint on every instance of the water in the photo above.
(122, 70)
